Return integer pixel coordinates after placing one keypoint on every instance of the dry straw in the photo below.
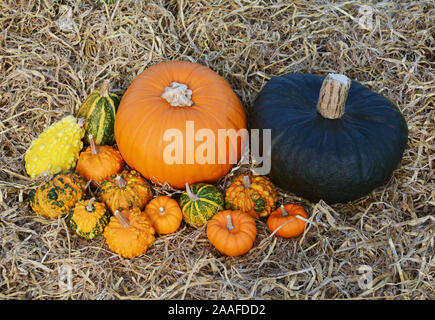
(53, 53)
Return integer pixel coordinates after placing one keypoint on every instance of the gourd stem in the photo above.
(230, 225)
(333, 95)
(122, 220)
(246, 182)
(104, 91)
(121, 182)
(90, 205)
(162, 211)
(81, 122)
(94, 148)
(284, 212)
(178, 95)
(192, 197)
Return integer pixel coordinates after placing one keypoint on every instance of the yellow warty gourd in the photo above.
(56, 149)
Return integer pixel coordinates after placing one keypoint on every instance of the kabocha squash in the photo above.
(232, 232)
(332, 138)
(157, 126)
(252, 194)
(200, 202)
(289, 218)
(126, 190)
(89, 218)
(57, 196)
(56, 149)
(99, 163)
(164, 214)
(129, 233)
(99, 110)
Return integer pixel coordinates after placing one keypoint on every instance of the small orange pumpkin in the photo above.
(129, 233)
(165, 214)
(291, 218)
(99, 163)
(232, 232)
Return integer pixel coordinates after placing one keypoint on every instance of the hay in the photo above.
(53, 53)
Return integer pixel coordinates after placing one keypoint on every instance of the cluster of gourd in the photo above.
(332, 139)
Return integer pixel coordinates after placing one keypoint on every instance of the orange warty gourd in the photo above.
(164, 214)
(185, 97)
(291, 217)
(232, 232)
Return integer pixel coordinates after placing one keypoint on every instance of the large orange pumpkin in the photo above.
(185, 97)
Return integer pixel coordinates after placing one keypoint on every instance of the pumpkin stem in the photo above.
(104, 91)
(121, 182)
(90, 205)
(122, 220)
(178, 95)
(162, 211)
(284, 212)
(333, 95)
(94, 148)
(246, 182)
(230, 225)
(192, 197)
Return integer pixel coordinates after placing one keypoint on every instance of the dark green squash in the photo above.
(338, 151)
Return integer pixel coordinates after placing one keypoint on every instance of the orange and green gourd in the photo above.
(200, 202)
(89, 218)
(253, 194)
(129, 233)
(125, 191)
(99, 110)
(58, 196)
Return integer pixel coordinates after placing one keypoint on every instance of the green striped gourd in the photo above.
(200, 203)
(89, 218)
(99, 110)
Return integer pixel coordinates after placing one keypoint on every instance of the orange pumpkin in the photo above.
(158, 123)
(291, 218)
(232, 232)
(165, 214)
(99, 163)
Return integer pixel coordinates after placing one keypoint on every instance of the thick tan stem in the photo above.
(94, 148)
(230, 225)
(122, 220)
(90, 205)
(192, 197)
(284, 212)
(121, 182)
(333, 95)
(162, 211)
(104, 91)
(178, 95)
(246, 182)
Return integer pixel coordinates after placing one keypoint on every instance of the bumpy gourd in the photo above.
(56, 149)
(89, 218)
(252, 194)
(57, 196)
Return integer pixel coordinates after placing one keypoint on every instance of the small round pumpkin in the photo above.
(332, 138)
(232, 232)
(98, 163)
(125, 190)
(165, 214)
(89, 218)
(129, 233)
(253, 194)
(200, 202)
(57, 196)
(291, 218)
